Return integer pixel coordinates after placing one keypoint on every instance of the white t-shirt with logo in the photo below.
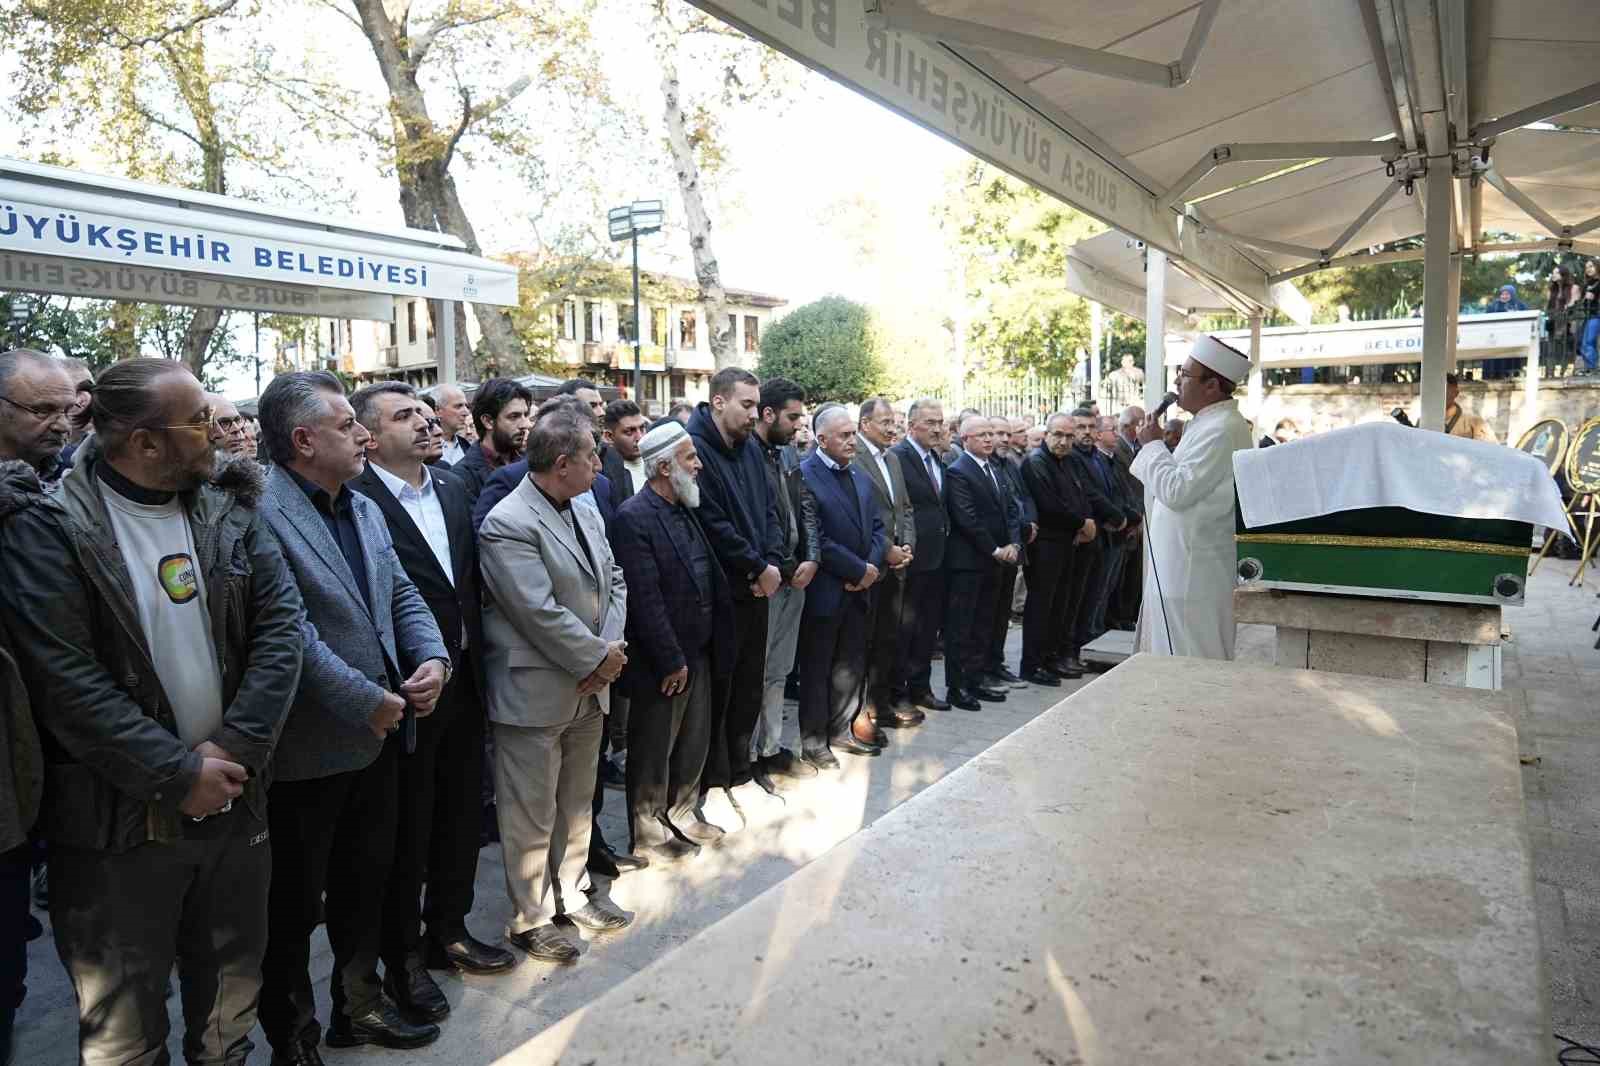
(158, 549)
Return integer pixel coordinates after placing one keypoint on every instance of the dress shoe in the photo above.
(1005, 676)
(701, 833)
(669, 851)
(302, 1054)
(821, 759)
(415, 993)
(900, 718)
(929, 702)
(762, 778)
(987, 694)
(866, 733)
(599, 915)
(1075, 663)
(848, 744)
(787, 764)
(545, 942)
(1067, 671)
(626, 861)
(601, 862)
(960, 697)
(469, 955)
(379, 1024)
(1040, 677)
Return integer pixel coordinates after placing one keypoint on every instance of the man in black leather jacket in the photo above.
(156, 755)
(782, 409)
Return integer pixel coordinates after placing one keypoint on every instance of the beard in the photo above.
(685, 487)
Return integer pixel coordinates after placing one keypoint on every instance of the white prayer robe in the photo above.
(1190, 559)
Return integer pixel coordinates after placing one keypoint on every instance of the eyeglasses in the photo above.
(44, 414)
(228, 425)
(205, 422)
(434, 423)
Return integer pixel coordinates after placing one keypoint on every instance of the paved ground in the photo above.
(1550, 660)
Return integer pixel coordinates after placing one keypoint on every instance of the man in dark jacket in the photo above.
(922, 603)
(374, 663)
(777, 739)
(739, 512)
(35, 421)
(680, 630)
(985, 525)
(875, 434)
(1112, 479)
(441, 782)
(833, 640)
(1008, 468)
(622, 464)
(500, 410)
(1094, 555)
(159, 697)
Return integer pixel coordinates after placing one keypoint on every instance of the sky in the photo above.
(776, 224)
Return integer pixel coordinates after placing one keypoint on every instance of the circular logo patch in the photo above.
(177, 578)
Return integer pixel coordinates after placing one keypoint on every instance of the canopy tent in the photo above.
(1503, 335)
(1162, 118)
(63, 232)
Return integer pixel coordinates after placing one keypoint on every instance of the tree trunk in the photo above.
(427, 192)
(186, 61)
(707, 274)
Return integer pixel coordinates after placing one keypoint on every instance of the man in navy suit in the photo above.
(833, 634)
(985, 525)
(680, 635)
(922, 604)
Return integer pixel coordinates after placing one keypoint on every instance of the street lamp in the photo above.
(629, 224)
(20, 313)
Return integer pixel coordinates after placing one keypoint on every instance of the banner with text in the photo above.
(208, 247)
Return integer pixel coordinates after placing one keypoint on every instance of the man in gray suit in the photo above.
(886, 694)
(374, 660)
(553, 615)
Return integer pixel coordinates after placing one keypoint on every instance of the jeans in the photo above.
(775, 729)
(1591, 331)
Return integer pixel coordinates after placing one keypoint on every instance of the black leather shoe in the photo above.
(380, 1024)
(960, 697)
(899, 718)
(929, 702)
(545, 942)
(302, 1054)
(851, 746)
(602, 861)
(987, 694)
(1039, 677)
(787, 764)
(469, 955)
(1067, 671)
(821, 759)
(415, 993)
(760, 776)
(1006, 676)
(599, 915)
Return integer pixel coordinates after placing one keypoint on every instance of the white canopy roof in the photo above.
(69, 233)
(1168, 119)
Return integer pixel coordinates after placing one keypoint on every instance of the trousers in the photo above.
(921, 615)
(733, 720)
(667, 741)
(833, 660)
(776, 729)
(121, 918)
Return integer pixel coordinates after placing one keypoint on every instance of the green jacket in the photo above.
(115, 769)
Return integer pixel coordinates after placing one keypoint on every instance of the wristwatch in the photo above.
(448, 669)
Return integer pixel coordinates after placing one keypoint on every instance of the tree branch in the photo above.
(204, 15)
(422, 42)
(461, 127)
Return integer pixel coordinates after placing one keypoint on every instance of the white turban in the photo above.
(660, 443)
(1221, 359)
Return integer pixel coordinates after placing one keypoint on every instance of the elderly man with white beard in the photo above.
(680, 632)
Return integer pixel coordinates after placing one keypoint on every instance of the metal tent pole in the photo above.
(1095, 367)
(445, 336)
(1438, 318)
(1155, 320)
(1255, 392)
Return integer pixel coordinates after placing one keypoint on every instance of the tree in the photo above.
(1012, 241)
(828, 347)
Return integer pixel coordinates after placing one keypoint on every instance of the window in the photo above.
(394, 334)
(591, 314)
(733, 329)
(429, 309)
(652, 385)
(563, 322)
(658, 326)
(686, 335)
(411, 321)
(752, 333)
(625, 323)
(677, 387)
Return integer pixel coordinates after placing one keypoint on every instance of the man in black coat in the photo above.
(1089, 570)
(621, 463)
(985, 532)
(680, 633)
(1008, 467)
(922, 602)
(739, 514)
(441, 783)
(501, 410)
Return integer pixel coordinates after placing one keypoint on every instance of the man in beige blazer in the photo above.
(553, 614)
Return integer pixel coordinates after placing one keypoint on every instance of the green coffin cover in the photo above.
(1390, 551)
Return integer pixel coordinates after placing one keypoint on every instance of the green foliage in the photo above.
(828, 347)
(100, 332)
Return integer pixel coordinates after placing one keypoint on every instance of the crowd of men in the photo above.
(274, 671)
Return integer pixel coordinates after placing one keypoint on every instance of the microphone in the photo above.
(1166, 401)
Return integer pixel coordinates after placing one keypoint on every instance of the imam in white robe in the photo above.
(1189, 559)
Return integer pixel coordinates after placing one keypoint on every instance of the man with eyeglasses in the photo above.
(234, 437)
(159, 633)
(37, 400)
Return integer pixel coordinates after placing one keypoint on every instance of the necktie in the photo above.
(933, 472)
(994, 481)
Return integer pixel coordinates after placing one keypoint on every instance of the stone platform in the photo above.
(1188, 861)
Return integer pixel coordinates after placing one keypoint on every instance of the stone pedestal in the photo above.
(1406, 640)
(1185, 861)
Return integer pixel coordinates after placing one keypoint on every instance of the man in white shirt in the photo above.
(455, 416)
(441, 782)
(887, 703)
(1189, 511)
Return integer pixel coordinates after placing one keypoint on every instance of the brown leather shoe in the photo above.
(901, 717)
